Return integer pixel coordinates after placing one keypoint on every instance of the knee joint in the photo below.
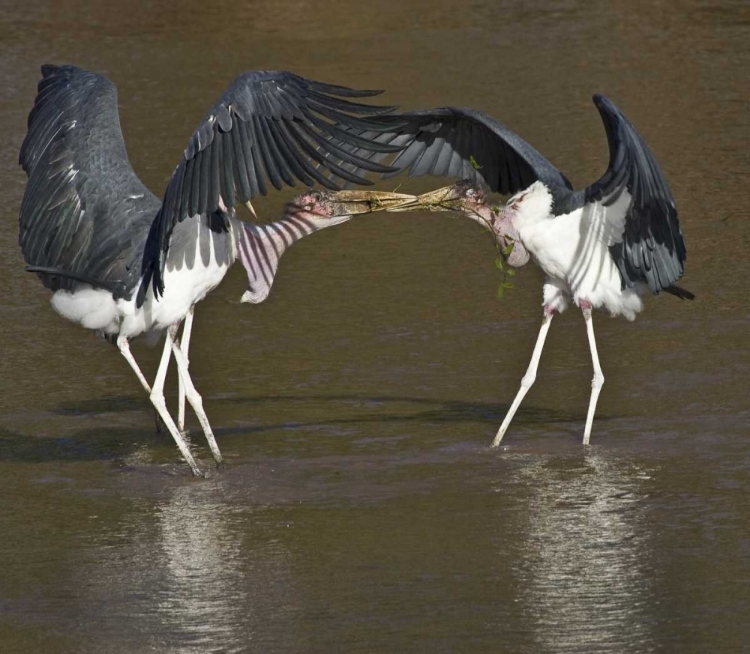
(157, 399)
(194, 397)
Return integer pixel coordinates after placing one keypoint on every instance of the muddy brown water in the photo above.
(361, 509)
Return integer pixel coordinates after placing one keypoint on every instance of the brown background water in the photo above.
(361, 510)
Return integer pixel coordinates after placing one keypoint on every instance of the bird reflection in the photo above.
(583, 578)
(186, 575)
(201, 557)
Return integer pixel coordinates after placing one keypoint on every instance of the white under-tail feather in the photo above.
(94, 308)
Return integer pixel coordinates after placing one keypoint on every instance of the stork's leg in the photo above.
(124, 347)
(156, 394)
(196, 401)
(528, 378)
(598, 380)
(184, 346)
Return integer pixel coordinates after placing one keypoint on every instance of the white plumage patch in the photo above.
(94, 308)
(183, 288)
(573, 250)
(606, 223)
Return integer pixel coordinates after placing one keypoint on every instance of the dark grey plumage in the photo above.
(87, 217)
(273, 126)
(84, 211)
(460, 142)
(652, 248)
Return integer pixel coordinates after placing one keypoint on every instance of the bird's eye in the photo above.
(309, 206)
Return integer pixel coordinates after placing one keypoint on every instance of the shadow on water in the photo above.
(424, 409)
(114, 443)
(427, 410)
(102, 444)
(110, 404)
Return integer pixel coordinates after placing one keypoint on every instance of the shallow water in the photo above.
(361, 509)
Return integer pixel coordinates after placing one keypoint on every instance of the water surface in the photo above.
(361, 509)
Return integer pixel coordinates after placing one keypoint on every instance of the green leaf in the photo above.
(509, 272)
(499, 264)
(474, 163)
(500, 292)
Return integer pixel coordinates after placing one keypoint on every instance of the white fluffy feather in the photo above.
(93, 308)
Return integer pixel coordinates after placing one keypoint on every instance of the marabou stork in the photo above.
(604, 246)
(123, 263)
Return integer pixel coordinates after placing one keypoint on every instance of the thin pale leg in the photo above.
(124, 346)
(157, 399)
(598, 380)
(184, 346)
(528, 378)
(196, 401)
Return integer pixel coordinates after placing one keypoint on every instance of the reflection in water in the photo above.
(583, 576)
(186, 579)
(201, 558)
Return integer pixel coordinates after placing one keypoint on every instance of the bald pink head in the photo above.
(474, 204)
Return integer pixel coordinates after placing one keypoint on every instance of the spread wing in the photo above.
(635, 195)
(267, 128)
(630, 208)
(464, 143)
(85, 214)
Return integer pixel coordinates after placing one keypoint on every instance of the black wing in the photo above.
(85, 213)
(272, 127)
(652, 249)
(460, 142)
(465, 143)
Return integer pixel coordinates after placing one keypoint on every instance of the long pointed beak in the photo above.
(447, 198)
(359, 202)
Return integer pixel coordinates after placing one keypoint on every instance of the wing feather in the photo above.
(268, 127)
(652, 248)
(474, 145)
(85, 214)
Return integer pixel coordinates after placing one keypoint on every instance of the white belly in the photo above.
(183, 287)
(578, 261)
